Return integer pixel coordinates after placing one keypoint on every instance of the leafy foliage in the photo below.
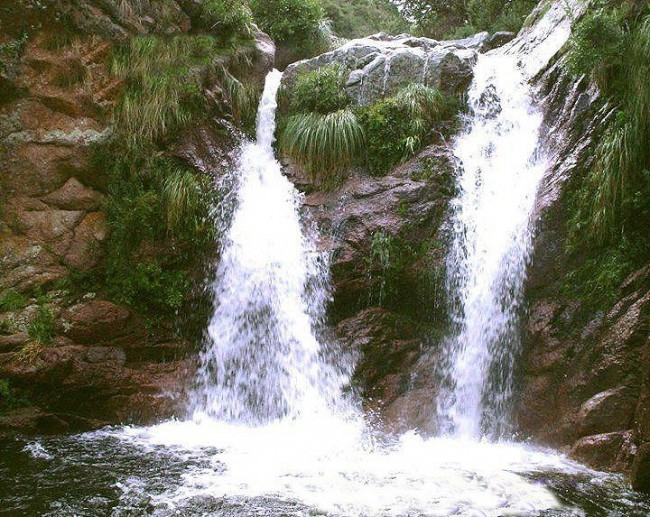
(614, 198)
(396, 127)
(293, 22)
(357, 18)
(230, 18)
(9, 399)
(451, 18)
(286, 20)
(320, 91)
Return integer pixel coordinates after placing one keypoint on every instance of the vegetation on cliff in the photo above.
(325, 133)
(611, 215)
(454, 19)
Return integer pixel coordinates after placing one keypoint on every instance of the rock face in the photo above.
(102, 364)
(380, 65)
(584, 371)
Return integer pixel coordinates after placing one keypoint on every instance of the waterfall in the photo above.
(501, 169)
(262, 359)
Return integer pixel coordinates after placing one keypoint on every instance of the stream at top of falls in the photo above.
(271, 431)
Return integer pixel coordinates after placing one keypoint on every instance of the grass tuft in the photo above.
(324, 145)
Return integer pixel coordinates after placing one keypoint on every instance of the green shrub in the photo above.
(231, 18)
(41, 329)
(358, 18)
(324, 145)
(598, 279)
(148, 286)
(320, 91)
(597, 45)
(12, 300)
(612, 196)
(396, 127)
(288, 20)
(444, 19)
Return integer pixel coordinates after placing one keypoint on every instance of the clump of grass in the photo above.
(324, 145)
(607, 196)
(12, 300)
(182, 194)
(73, 74)
(163, 84)
(41, 329)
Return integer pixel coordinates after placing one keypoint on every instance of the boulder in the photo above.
(73, 195)
(611, 410)
(85, 250)
(380, 65)
(608, 451)
(100, 322)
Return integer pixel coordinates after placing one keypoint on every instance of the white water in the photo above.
(262, 359)
(271, 433)
(500, 172)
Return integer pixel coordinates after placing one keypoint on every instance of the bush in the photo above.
(321, 91)
(288, 20)
(324, 145)
(396, 127)
(597, 45)
(231, 18)
(444, 19)
(148, 287)
(357, 18)
(612, 197)
(9, 399)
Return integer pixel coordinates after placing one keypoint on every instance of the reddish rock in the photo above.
(609, 451)
(101, 322)
(73, 195)
(85, 249)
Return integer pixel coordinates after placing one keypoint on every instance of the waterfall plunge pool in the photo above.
(314, 466)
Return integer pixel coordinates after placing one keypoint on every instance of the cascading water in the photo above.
(270, 432)
(501, 168)
(262, 359)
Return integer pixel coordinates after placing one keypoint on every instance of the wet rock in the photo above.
(610, 410)
(609, 451)
(496, 40)
(641, 469)
(380, 65)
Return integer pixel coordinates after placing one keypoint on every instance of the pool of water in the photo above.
(322, 466)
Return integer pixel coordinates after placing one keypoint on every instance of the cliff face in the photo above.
(584, 369)
(70, 359)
